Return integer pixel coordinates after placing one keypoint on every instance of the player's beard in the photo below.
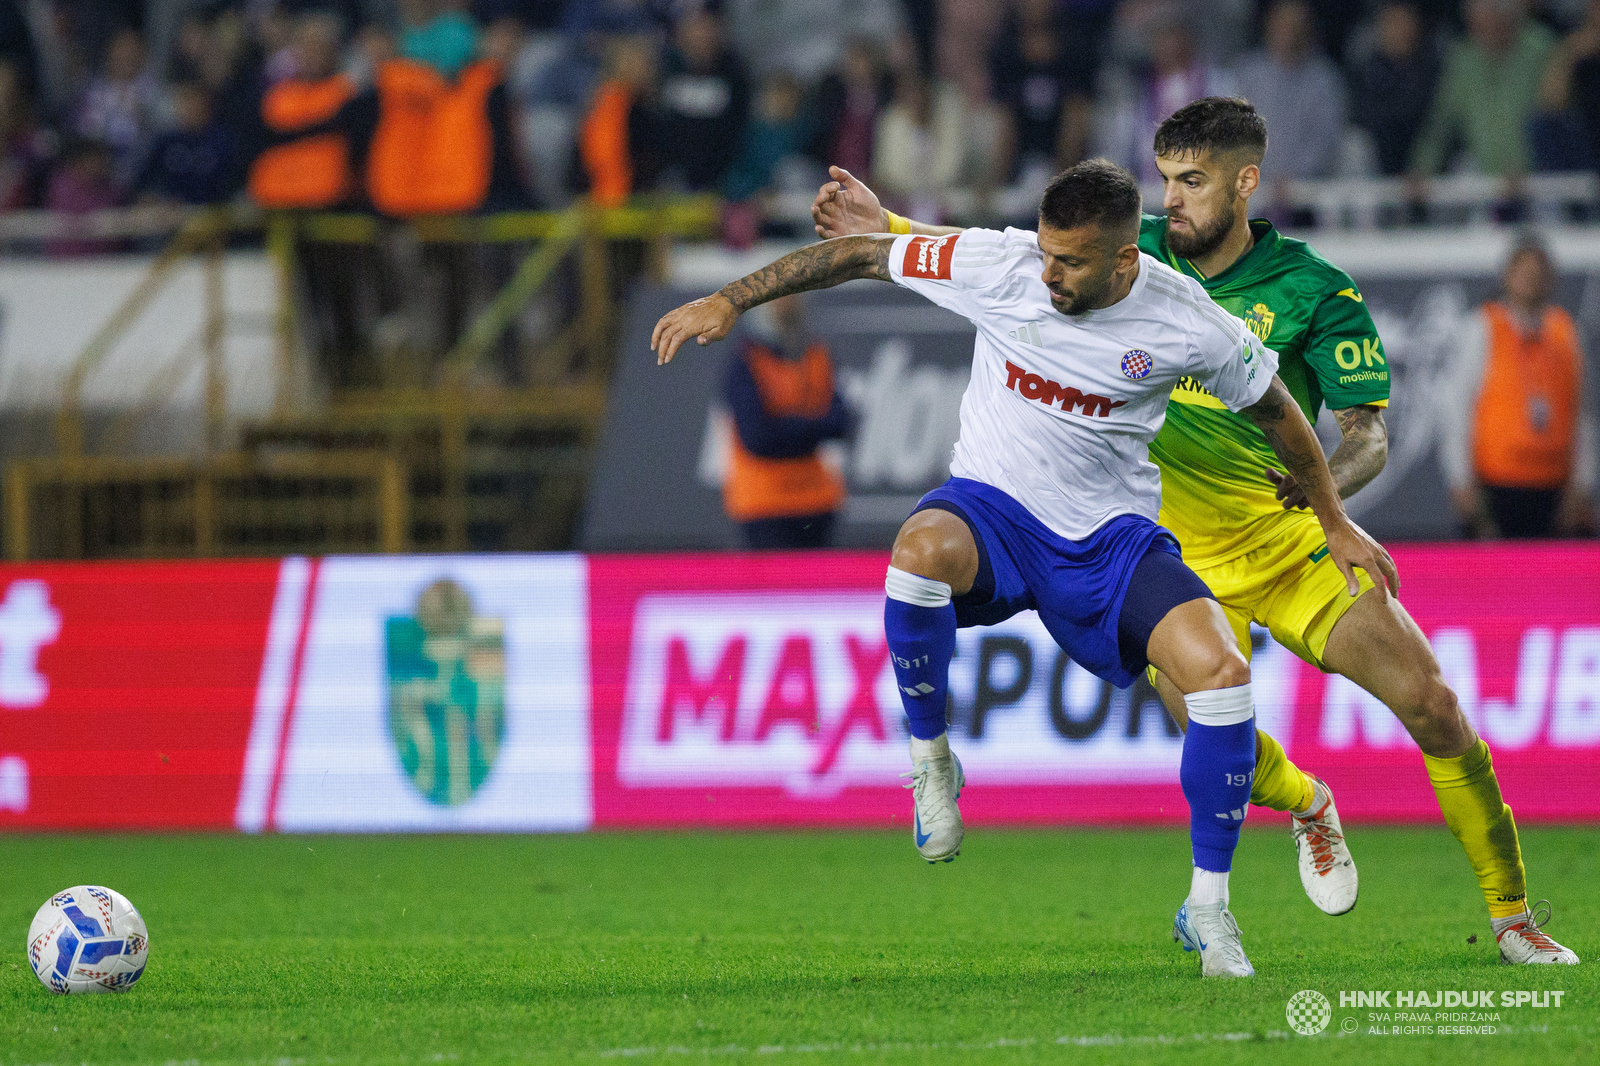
(1087, 298)
(1201, 241)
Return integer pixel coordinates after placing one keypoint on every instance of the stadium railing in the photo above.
(234, 504)
(1353, 204)
(477, 465)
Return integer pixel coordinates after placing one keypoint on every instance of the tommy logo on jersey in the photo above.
(1031, 386)
(929, 257)
(1136, 364)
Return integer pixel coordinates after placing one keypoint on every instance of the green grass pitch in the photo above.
(818, 947)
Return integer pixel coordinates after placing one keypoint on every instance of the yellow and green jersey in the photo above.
(1214, 488)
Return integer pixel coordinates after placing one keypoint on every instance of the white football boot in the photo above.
(936, 780)
(1524, 942)
(1327, 872)
(1209, 928)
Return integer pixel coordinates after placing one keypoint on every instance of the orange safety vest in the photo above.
(603, 145)
(433, 150)
(312, 171)
(776, 488)
(1526, 423)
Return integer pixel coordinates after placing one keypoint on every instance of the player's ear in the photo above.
(1248, 181)
(1127, 256)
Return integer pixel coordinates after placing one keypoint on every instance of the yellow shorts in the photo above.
(1283, 580)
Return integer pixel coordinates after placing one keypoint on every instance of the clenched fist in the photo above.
(845, 207)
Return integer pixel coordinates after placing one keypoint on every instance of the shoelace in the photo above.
(921, 775)
(1233, 946)
(1320, 838)
(1532, 930)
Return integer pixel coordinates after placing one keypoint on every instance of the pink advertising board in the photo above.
(558, 692)
(1516, 630)
(756, 690)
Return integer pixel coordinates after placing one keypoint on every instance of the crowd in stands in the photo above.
(426, 106)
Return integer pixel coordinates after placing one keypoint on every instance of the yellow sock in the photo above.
(1469, 796)
(1280, 784)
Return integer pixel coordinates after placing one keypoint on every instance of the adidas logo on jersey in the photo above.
(1031, 386)
(1027, 333)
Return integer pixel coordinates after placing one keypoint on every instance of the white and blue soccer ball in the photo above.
(87, 939)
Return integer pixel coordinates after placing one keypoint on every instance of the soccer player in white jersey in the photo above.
(1052, 499)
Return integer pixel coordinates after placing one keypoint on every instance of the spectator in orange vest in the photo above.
(1521, 460)
(781, 392)
(615, 143)
(309, 119)
(443, 144)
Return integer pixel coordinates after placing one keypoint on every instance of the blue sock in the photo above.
(920, 623)
(1218, 768)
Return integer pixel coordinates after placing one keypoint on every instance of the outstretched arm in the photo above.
(1294, 442)
(816, 266)
(1359, 458)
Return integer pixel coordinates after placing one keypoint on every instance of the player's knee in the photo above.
(1435, 703)
(934, 549)
(1217, 666)
(921, 552)
(1212, 668)
(1231, 669)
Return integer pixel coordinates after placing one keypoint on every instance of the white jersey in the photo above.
(1061, 409)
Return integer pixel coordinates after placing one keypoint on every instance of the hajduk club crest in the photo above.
(1136, 364)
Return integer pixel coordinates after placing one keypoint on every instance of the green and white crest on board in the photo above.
(446, 681)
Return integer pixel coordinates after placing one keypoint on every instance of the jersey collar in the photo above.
(1266, 239)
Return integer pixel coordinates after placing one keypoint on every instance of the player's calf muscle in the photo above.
(1172, 700)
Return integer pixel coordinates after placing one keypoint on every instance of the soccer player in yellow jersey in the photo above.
(1242, 520)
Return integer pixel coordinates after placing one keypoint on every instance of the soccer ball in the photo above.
(87, 939)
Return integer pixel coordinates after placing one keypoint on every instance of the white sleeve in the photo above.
(1461, 401)
(959, 270)
(1230, 360)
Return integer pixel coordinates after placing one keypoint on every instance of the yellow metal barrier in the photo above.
(513, 461)
(432, 468)
(205, 230)
(233, 505)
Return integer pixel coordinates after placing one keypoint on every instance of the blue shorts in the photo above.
(1100, 597)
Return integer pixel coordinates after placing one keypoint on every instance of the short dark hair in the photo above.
(1529, 242)
(1220, 124)
(1094, 192)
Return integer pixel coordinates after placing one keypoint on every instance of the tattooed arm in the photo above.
(1358, 459)
(816, 266)
(1294, 442)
